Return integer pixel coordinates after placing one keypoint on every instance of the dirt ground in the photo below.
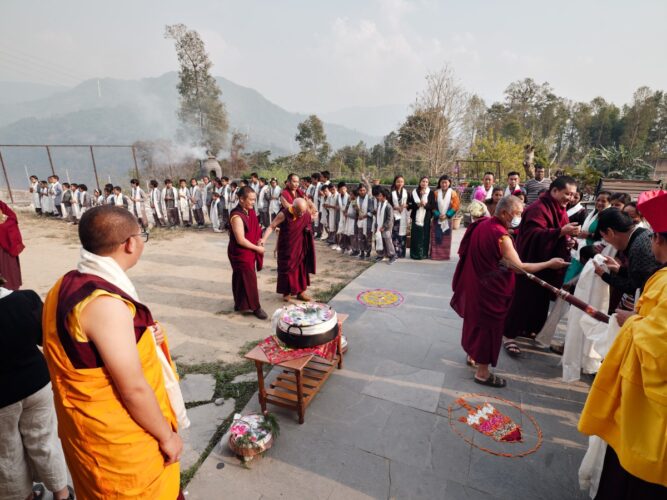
(185, 278)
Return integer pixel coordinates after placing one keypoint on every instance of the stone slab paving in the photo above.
(204, 421)
(380, 428)
(197, 387)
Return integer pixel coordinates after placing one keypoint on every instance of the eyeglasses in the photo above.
(144, 235)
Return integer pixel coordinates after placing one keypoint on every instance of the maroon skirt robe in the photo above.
(11, 245)
(296, 254)
(482, 290)
(538, 240)
(245, 262)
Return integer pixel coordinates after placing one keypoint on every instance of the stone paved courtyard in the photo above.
(380, 428)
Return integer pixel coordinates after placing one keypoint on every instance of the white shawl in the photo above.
(592, 217)
(420, 214)
(333, 200)
(274, 204)
(443, 206)
(363, 210)
(342, 203)
(380, 222)
(400, 213)
(575, 209)
(183, 203)
(109, 270)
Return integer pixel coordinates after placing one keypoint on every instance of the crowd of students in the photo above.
(353, 220)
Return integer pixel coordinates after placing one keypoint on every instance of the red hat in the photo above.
(653, 206)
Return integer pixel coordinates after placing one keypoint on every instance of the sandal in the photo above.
(470, 362)
(512, 348)
(492, 381)
(558, 349)
(38, 491)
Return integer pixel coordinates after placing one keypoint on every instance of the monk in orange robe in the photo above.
(115, 420)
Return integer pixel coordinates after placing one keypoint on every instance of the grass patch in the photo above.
(329, 293)
(242, 392)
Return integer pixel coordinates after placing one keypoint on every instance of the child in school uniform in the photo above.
(332, 219)
(341, 214)
(384, 223)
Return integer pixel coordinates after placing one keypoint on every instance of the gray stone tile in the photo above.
(406, 385)
(558, 419)
(397, 347)
(348, 417)
(549, 473)
(363, 475)
(450, 455)
(406, 437)
(458, 491)
(204, 420)
(197, 387)
(415, 483)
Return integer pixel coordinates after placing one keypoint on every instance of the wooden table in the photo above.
(300, 379)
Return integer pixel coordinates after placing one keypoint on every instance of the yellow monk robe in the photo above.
(108, 454)
(627, 405)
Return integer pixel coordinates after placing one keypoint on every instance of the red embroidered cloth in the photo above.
(277, 352)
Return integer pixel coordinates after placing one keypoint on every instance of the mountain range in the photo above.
(123, 111)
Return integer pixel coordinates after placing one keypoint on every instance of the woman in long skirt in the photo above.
(420, 214)
(11, 245)
(444, 203)
(399, 202)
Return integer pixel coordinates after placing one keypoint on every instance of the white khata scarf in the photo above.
(401, 216)
(109, 270)
(363, 210)
(380, 222)
(443, 206)
(420, 215)
(575, 209)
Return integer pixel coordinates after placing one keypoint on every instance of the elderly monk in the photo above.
(115, 420)
(245, 253)
(483, 287)
(627, 404)
(545, 232)
(296, 250)
(11, 245)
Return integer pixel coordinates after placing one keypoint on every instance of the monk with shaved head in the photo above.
(117, 426)
(296, 250)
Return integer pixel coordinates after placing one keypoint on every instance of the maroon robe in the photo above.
(296, 254)
(287, 194)
(538, 240)
(11, 245)
(482, 290)
(244, 261)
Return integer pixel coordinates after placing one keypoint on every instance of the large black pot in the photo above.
(294, 337)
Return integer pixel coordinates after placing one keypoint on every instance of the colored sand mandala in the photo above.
(486, 419)
(380, 297)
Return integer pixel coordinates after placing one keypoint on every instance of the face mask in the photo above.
(515, 221)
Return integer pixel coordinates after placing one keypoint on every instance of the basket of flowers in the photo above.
(251, 435)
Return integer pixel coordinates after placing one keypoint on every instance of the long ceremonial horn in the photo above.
(566, 296)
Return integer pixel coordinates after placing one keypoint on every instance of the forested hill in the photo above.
(124, 111)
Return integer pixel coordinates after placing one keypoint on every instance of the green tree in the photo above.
(618, 162)
(506, 151)
(313, 140)
(202, 114)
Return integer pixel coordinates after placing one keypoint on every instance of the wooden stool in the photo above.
(299, 380)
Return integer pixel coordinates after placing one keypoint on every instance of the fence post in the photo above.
(136, 167)
(4, 171)
(97, 180)
(48, 152)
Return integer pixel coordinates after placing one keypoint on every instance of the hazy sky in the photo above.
(316, 56)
